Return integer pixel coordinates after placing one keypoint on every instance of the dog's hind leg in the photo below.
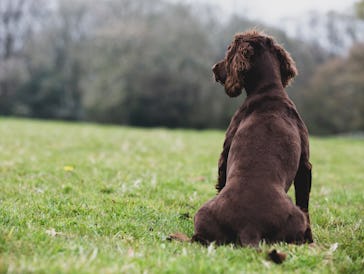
(208, 229)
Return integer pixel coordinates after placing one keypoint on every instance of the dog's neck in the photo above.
(264, 75)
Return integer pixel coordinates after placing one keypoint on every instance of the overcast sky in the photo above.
(271, 11)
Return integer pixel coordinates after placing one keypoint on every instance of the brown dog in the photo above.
(266, 148)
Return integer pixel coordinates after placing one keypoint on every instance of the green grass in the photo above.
(81, 198)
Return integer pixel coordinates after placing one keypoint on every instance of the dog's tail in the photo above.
(178, 237)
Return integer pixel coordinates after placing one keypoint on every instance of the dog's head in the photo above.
(232, 71)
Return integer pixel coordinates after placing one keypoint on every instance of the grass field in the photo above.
(81, 198)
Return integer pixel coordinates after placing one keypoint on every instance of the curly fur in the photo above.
(238, 60)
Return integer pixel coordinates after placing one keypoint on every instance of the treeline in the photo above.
(148, 63)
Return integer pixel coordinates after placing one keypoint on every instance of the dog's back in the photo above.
(262, 163)
(267, 143)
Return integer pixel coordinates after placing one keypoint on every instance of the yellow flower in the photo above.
(68, 168)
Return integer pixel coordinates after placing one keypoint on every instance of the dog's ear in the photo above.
(237, 64)
(287, 64)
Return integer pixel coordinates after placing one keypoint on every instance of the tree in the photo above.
(154, 70)
(134, 62)
(359, 7)
(16, 22)
(55, 65)
(335, 101)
